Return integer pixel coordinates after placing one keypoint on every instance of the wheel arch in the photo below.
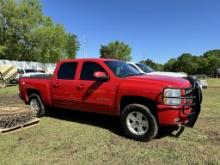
(31, 91)
(129, 99)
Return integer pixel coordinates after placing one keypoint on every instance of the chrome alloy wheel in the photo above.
(35, 106)
(137, 123)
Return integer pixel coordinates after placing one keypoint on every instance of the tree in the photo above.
(211, 61)
(17, 20)
(72, 45)
(213, 53)
(208, 63)
(2, 49)
(184, 63)
(169, 66)
(49, 44)
(116, 50)
(213, 65)
(28, 35)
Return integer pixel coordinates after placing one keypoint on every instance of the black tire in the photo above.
(36, 98)
(151, 129)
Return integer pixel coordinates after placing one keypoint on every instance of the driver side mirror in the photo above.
(101, 76)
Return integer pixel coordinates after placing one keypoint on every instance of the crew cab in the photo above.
(143, 102)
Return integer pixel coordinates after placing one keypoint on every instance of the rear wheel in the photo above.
(36, 105)
(138, 122)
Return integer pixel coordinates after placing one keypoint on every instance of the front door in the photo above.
(95, 96)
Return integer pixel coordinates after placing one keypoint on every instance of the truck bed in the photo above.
(39, 83)
(39, 76)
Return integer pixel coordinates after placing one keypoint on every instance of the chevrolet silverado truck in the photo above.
(143, 102)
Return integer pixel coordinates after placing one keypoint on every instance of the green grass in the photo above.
(84, 139)
(12, 89)
(213, 82)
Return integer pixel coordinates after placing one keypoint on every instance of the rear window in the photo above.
(67, 71)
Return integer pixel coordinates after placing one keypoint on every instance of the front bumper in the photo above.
(196, 107)
(185, 114)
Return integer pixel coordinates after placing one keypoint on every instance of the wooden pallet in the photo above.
(20, 126)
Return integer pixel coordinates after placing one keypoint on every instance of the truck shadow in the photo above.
(110, 123)
(98, 120)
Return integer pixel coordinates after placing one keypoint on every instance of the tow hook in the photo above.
(178, 132)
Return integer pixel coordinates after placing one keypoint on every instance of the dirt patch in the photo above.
(11, 100)
(11, 110)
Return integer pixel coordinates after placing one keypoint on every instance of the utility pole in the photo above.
(84, 45)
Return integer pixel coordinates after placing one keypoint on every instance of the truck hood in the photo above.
(171, 74)
(162, 81)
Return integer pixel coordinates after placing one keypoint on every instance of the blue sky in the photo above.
(155, 29)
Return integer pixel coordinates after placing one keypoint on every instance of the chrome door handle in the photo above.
(81, 86)
(56, 85)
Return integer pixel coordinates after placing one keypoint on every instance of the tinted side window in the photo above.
(67, 71)
(88, 69)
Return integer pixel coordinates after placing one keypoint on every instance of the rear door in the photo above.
(64, 86)
(93, 95)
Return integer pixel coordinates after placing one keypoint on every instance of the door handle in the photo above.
(56, 85)
(81, 86)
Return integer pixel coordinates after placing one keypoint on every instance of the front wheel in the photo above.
(138, 122)
(36, 105)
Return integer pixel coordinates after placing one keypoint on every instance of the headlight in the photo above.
(170, 96)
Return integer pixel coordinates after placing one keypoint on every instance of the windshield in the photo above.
(145, 68)
(122, 69)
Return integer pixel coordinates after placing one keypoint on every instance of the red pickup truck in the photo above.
(143, 102)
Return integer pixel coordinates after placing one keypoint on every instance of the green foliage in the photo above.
(212, 53)
(184, 63)
(169, 66)
(212, 63)
(2, 49)
(28, 35)
(208, 63)
(116, 50)
(72, 45)
(187, 63)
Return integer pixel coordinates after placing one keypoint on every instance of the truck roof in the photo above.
(88, 59)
